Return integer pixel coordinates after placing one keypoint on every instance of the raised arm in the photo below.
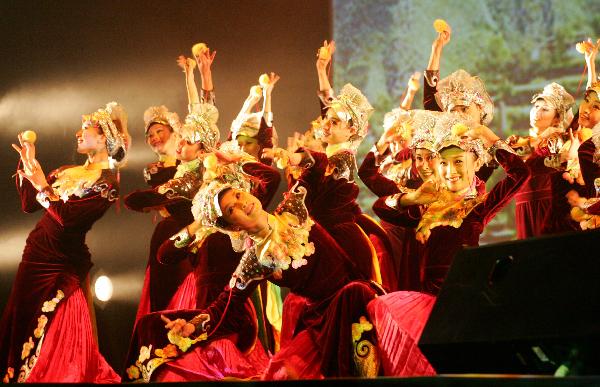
(188, 64)
(432, 74)
(411, 90)
(205, 58)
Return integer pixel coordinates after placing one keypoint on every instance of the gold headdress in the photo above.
(161, 115)
(351, 104)
(460, 88)
(201, 126)
(559, 99)
(112, 120)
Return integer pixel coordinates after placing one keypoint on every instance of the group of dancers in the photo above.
(359, 292)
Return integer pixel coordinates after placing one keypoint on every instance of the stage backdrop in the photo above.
(515, 46)
(66, 58)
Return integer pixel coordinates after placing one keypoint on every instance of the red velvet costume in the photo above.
(321, 345)
(406, 250)
(445, 241)
(212, 265)
(541, 206)
(590, 170)
(161, 281)
(402, 315)
(47, 303)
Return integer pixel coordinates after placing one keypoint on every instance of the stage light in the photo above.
(103, 288)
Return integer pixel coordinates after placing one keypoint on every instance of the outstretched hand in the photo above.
(205, 59)
(32, 169)
(273, 78)
(186, 64)
(324, 54)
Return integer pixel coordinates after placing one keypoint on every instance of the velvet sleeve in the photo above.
(74, 211)
(313, 177)
(229, 304)
(266, 181)
(517, 173)
(408, 216)
(430, 80)
(589, 169)
(27, 194)
(169, 254)
(373, 179)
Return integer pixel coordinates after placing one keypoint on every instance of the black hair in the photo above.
(221, 222)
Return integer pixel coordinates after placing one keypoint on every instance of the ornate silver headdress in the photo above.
(161, 115)
(559, 99)
(448, 132)
(201, 126)
(205, 205)
(112, 120)
(461, 88)
(351, 104)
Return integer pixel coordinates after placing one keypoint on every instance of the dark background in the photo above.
(61, 59)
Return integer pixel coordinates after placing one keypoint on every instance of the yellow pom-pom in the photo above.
(199, 48)
(29, 136)
(256, 90)
(210, 161)
(191, 63)
(580, 47)
(440, 25)
(459, 129)
(324, 53)
(264, 80)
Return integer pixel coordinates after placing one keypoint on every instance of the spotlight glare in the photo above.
(103, 288)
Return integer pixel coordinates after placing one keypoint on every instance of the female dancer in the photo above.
(541, 206)
(289, 249)
(46, 331)
(445, 218)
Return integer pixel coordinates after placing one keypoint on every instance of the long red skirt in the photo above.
(69, 352)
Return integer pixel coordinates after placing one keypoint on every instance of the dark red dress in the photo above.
(161, 281)
(47, 304)
(590, 169)
(406, 251)
(541, 207)
(403, 314)
(234, 353)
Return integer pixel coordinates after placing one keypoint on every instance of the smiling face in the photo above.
(425, 162)
(456, 168)
(589, 111)
(241, 210)
(542, 115)
(335, 129)
(90, 139)
(158, 137)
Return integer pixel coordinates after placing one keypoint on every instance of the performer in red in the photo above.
(46, 331)
(541, 206)
(447, 215)
(291, 250)
(589, 151)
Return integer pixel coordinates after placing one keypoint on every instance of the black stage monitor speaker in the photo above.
(526, 307)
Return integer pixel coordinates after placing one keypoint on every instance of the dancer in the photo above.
(289, 249)
(446, 215)
(46, 323)
(541, 206)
